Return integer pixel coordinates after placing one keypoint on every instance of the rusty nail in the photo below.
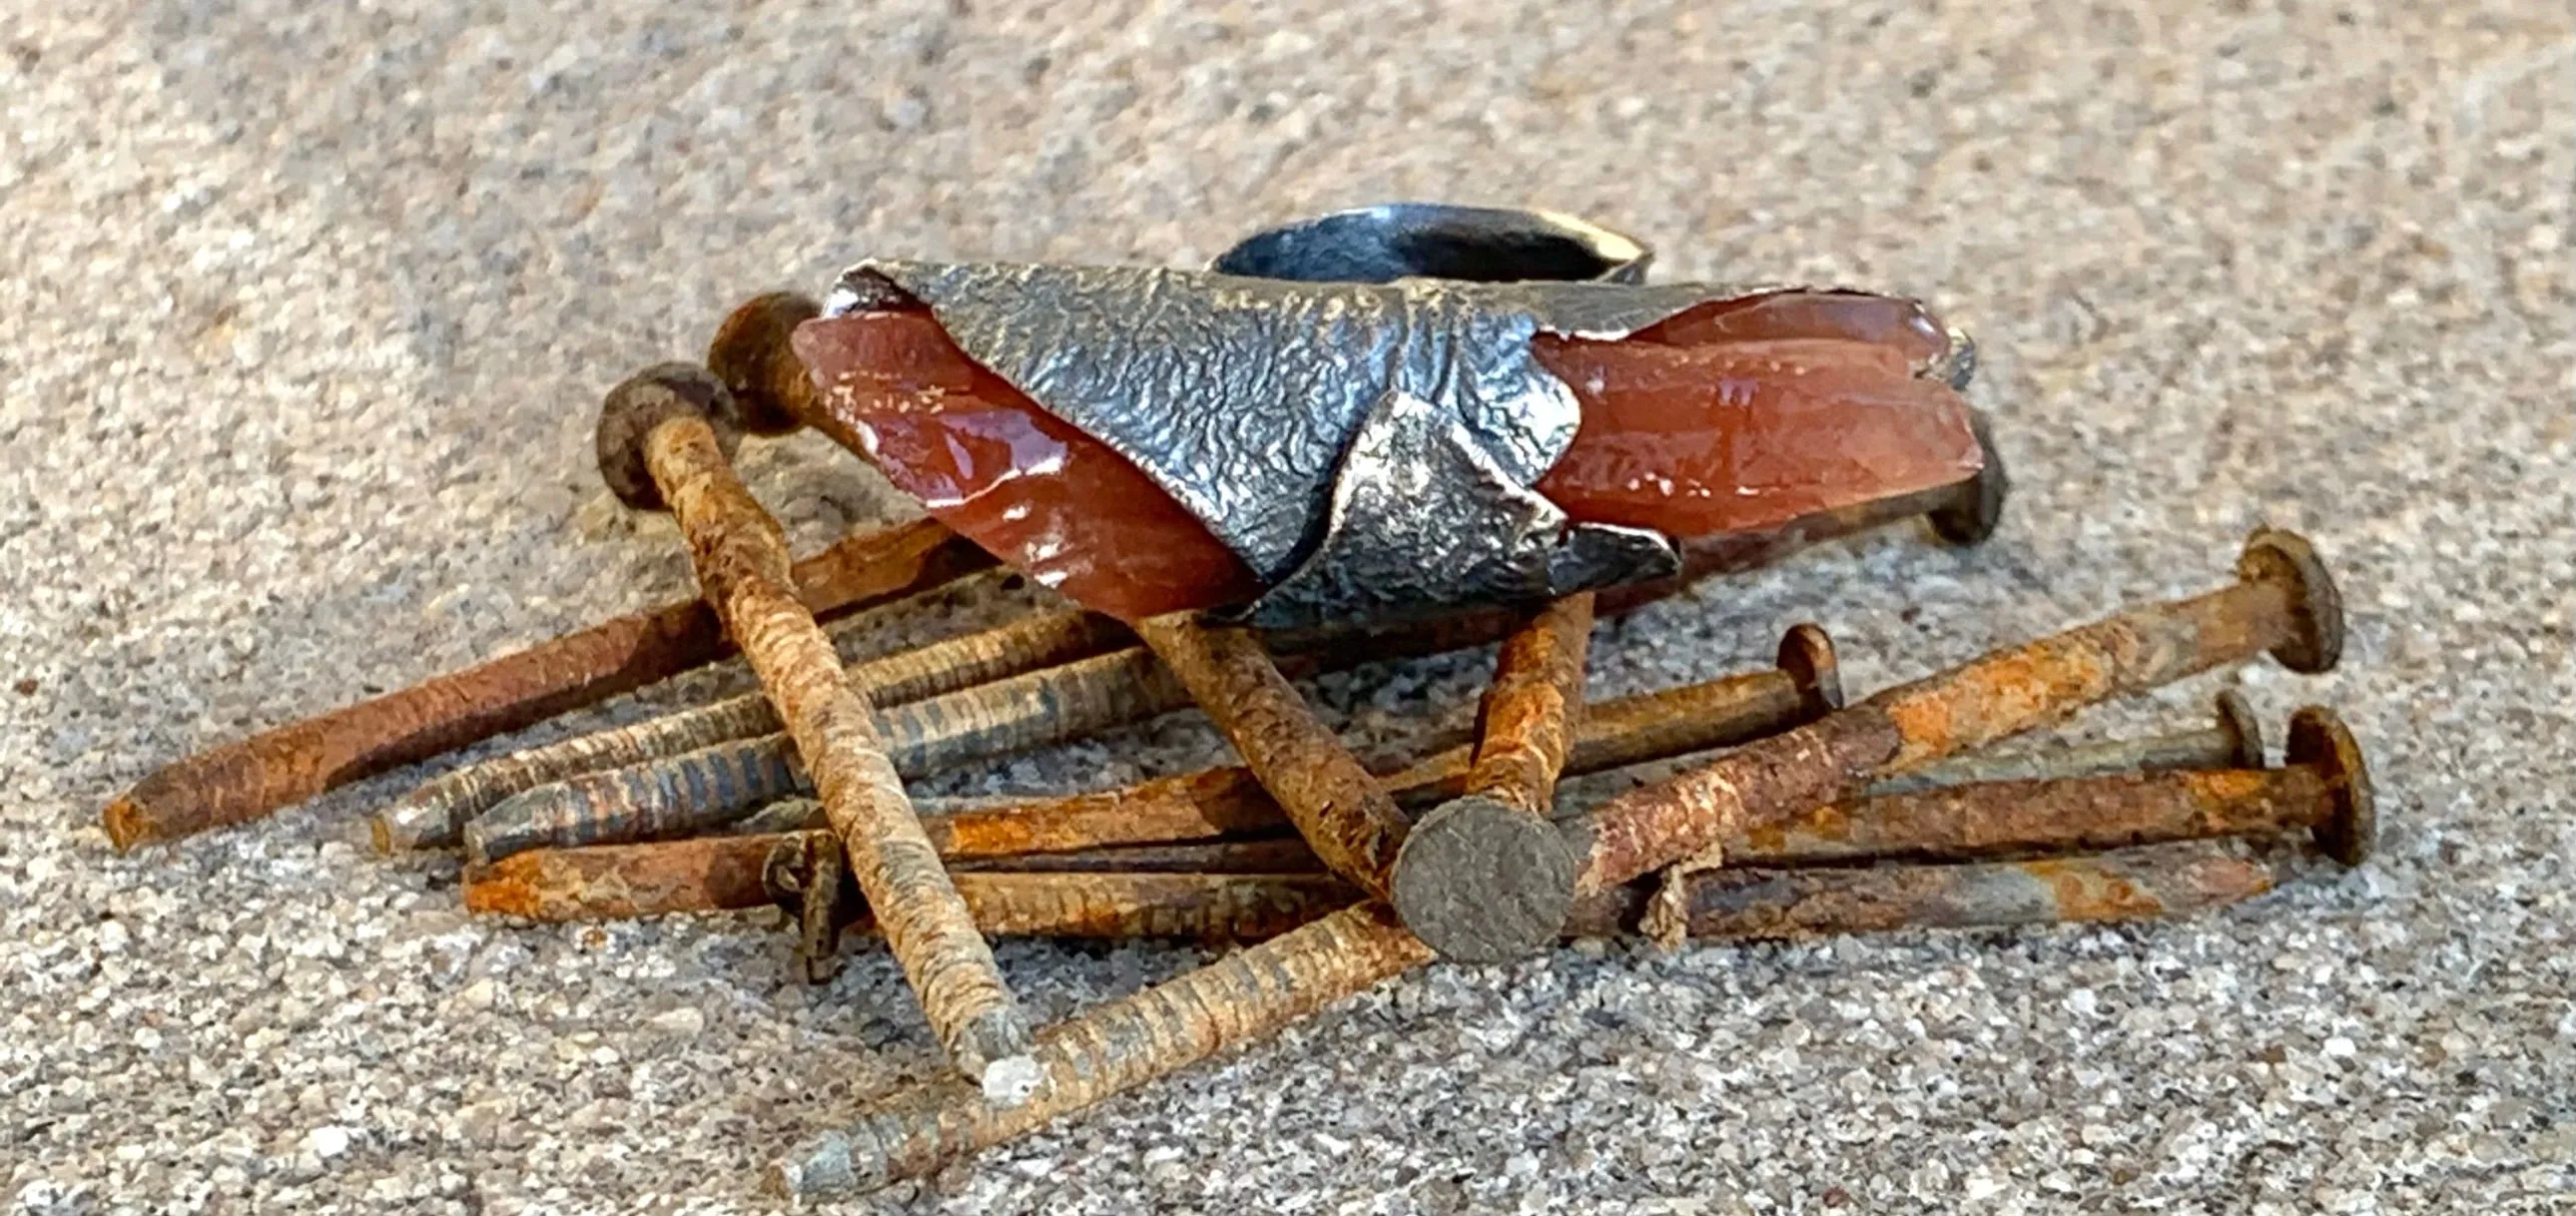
(1336, 804)
(718, 785)
(719, 873)
(1114, 1047)
(2282, 601)
(248, 778)
(665, 420)
(622, 882)
(2235, 740)
(675, 795)
(1266, 855)
(2145, 882)
(2325, 788)
(1136, 904)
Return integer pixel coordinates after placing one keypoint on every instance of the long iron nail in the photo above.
(1267, 855)
(1336, 804)
(740, 555)
(1117, 1046)
(2283, 601)
(715, 786)
(432, 815)
(2141, 883)
(1525, 727)
(2324, 789)
(252, 777)
(1155, 898)
(2235, 740)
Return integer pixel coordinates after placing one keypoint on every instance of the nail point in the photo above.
(1011, 1080)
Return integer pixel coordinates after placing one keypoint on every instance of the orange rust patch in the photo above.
(2084, 892)
(619, 882)
(1191, 806)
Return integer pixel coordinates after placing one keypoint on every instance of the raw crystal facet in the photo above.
(1747, 414)
(987, 461)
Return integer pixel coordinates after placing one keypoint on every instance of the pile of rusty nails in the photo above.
(1796, 813)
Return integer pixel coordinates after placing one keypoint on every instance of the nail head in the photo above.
(2319, 740)
(646, 400)
(746, 355)
(1807, 656)
(2316, 605)
(2244, 731)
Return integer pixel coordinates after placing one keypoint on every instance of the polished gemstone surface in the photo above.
(985, 460)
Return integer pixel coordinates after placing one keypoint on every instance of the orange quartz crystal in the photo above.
(985, 460)
(1734, 416)
(1746, 414)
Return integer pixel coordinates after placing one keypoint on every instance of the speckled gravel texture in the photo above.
(308, 306)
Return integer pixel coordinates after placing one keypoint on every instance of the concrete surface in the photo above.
(307, 307)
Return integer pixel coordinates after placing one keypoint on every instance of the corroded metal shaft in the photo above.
(2233, 740)
(244, 780)
(1117, 1046)
(1340, 809)
(740, 556)
(2326, 793)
